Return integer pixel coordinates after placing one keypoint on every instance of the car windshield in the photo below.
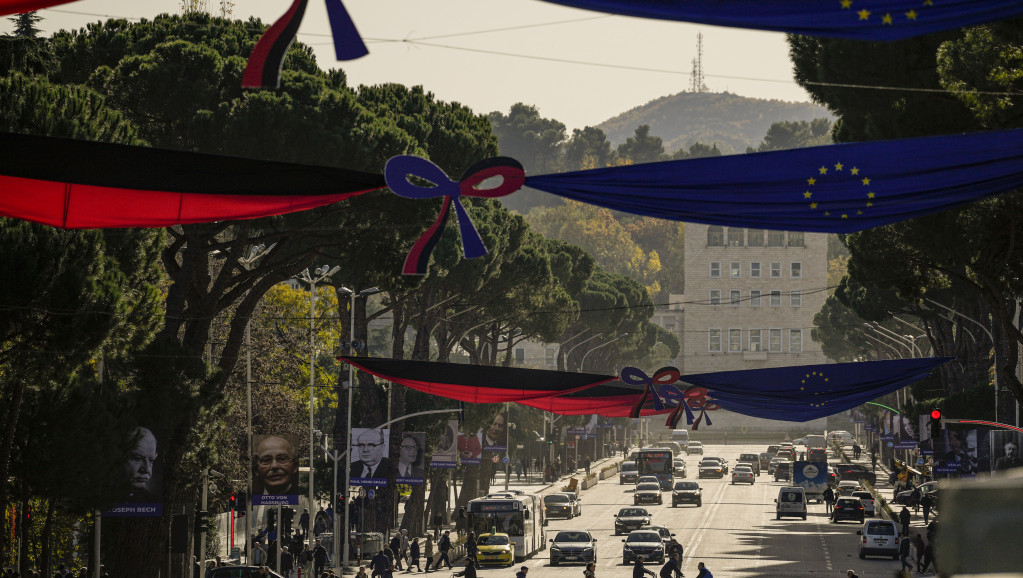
(880, 529)
(492, 541)
(572, 537)
(709, 462)
(629, 466)
(644, 537)
(555, 498)
(687, 486)
(642, 487)
(863, 495)
(632, 512)
(743, 467)
(696, 444)
(849, 501)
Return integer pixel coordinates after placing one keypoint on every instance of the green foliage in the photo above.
(799, 134)
(25, 24)
(730, 121)
(642, 147)
(587, 149)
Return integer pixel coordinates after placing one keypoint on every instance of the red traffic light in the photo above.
(936, 414)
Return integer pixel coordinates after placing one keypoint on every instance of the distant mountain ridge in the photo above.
(731, 121)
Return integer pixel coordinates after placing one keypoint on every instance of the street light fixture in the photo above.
(582, 363)
(320, 274)
(348, 436)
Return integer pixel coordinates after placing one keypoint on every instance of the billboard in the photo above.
(140, 476)
(491, 439)
(1005, 446)
(412, 459)
(373, 468)
(275, 470)
(446, 453)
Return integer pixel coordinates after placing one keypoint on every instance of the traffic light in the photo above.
(935, 424)
(287, 515)
(550, 442)
(204, 522)
(232, 503)
(241, 504)
(271, 519)
(28, 514)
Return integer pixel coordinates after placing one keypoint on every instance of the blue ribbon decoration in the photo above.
(636, 376)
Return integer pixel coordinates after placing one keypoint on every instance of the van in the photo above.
(629, 473)
(879, 538)
(791, 501)
(681, 436)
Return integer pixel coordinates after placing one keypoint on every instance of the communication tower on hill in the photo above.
(696, 83)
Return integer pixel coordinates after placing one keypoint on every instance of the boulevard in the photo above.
(734, 533)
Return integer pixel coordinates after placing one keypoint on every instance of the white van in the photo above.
(682, 437)
(791, 501)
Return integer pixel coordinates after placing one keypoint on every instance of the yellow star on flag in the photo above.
(911, 15)
(887, 19)
(928, 2)
(866, 182)
(864, 14)
(846, 4)
(813, 205)
(811, 181)
(807, 195)
(823, 170)
(838, 166)
(870, 195)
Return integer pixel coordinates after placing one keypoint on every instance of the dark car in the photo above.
(855, 472)
(712, 468)
(783, 471)
(817, 455)
(558, 505)
(629, 473)
(573, 546)
(686, 493)
(645, 543)
(647, 493)
(628, 519)
(848, 508)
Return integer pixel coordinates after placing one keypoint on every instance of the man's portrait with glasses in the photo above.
(411, 461)
(373, 468)
(275, 466)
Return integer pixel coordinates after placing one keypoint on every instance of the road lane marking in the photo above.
(824, 543)
(701, 529)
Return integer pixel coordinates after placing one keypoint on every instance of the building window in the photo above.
(735, 270)
(520, 355)
(796, 270)
(796, 299)
(776, 238)
(735, 341)
(775, 298)
(795, 340)
(715, 297)
(775, 270)
(774, 340)
(756, 238)
(734, 297)
(715, 270)
(715, 237)
(735, 236)
(754, 297)
(796, 239)
(754, 270)
(714, 340)
(548, 356)
(756, 340)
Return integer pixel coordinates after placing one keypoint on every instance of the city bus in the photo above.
(519, 516)
(658, 462)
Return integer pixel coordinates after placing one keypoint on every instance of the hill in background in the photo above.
(731, 121)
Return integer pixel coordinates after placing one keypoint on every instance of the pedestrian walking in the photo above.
(378, 564)
(919, 546)
(639, 571)
(413, 555)
(320, 558)
(471, 549)
(403, 556)
(926, 502)
(395, 546)
(362, 573)
(704, 571)
(829, 499)
(674, 548)
(928, 557)
(522, 572)
(428, 551)
(287, 562)
(444, 545)
(904, 517)
(589, 572)
(904, 553)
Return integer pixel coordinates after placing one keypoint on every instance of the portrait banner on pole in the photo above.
(275, 480)
(140, 476)
(445, 456)
(374, 467)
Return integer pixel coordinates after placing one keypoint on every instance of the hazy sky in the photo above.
(575, 66)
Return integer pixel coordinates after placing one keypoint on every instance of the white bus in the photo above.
(682, 437)
(519, 516)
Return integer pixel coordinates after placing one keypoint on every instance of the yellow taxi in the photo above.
(495, 549)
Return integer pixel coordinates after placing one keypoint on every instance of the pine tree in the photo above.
(25, 24)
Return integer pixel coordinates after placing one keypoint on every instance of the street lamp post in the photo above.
(582, 363)
(321, 274)
(348, 434)
(258, 252)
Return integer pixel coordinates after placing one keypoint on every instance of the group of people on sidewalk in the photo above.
(923, 550)
(404, 554)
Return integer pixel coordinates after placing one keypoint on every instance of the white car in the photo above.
(867, 499)
(743, 474)
(847, 487)
(695, 448)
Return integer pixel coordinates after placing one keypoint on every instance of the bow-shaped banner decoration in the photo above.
(264, 67)
(694, 397)
(400, 168)
(636, 376)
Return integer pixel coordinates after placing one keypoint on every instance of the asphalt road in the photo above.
(734, 533)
